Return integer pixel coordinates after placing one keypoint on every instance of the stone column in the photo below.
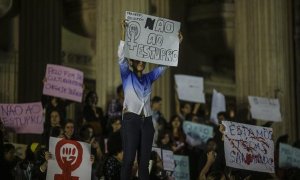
(264, 56)
(163, 86)
(109, 15)
(40, 44)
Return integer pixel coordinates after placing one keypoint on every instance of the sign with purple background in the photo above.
(23, 118)
(248, 147)
(63, 82)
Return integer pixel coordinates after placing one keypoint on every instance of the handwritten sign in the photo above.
(218, 105)
(190, 88)
(168, 160)
(197, 134)
(288, 156)
(23, 118)
(152, 39)
(63, 82)
(264, 108)
(248, 147)
(182, 170)
(71, 160)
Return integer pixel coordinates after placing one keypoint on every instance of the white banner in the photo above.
(289, 156)
(265, 108)
(151, 39)
(218, 105)
(190, 88)
(248, 147)
(70, 160)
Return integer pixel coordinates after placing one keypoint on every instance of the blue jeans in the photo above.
(137, 136)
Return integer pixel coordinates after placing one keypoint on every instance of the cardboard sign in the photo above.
(265, 108)
(63, 82)
(218, 105)
(70, 160)
(23, 118)
(167, 157)
(197, 134)
(289, 156)
(182, 170)
(248, 147)
(151, 39)
(190, 88)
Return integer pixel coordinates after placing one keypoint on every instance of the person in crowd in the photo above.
(113, 163)
(8, 162)
(164, 140)
(55, 121)
(159, 122)
(115, 125)
(92, 114)
(115, 107)
(69, 130)
(177, 135)
(157, 170)
(51, 103)
(137, 127)
(184, 109)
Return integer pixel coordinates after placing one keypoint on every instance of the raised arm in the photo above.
(124, 67)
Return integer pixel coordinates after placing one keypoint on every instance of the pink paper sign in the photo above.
(23, 118)
(63, 82)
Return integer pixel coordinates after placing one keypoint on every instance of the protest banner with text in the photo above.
(265, 108)
(248, 147)
(182, 170)
(63, 82)
(289, 156)
(70, 160)
(151, 39)
(190, 88)
(23, 118)
(197, 134)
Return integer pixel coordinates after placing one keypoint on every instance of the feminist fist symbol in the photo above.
(67, 159)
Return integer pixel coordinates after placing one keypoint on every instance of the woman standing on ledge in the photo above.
(137, 127)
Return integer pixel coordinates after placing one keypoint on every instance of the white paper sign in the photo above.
(288, 156)
(190, 88)
(182, 170)
(197, 134)
(168, 160)
(152, 39)
(265, 108)
(218, 105)
(248, 147)
(70, 160)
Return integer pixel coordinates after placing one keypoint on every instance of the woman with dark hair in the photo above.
(92, 114)
(177, 135)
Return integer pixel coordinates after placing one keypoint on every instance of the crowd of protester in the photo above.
(97, 127)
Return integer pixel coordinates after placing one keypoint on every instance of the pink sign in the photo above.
(63, 82)
(23, 118)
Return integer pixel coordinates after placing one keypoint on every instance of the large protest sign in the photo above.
(248, 147)
(63, 82)
(190, 88)
(197, 134)
(182, 170)
(70, 160)
(218, 105)
(151, 39)
(23, 118)
(288, 156)
(264, 108)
